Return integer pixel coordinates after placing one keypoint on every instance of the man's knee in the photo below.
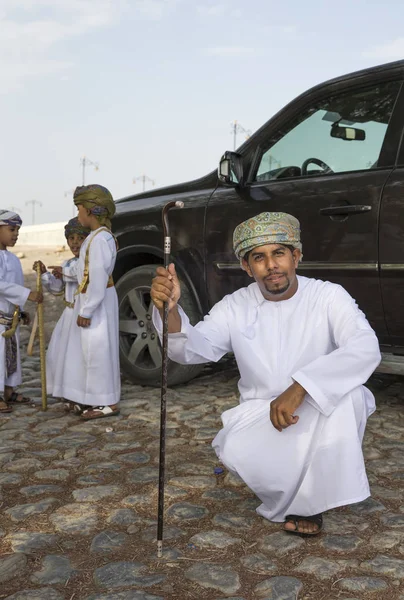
(227, 451)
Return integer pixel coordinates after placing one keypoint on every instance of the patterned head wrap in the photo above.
(7, 217)
(98, 200)
(266, 228)
(74, 226)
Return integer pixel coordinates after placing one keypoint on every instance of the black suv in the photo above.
(334, 158)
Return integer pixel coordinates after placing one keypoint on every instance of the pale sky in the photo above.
(151, 86)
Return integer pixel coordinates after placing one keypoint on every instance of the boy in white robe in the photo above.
(92, 374)
(62, 281)
(304, 351)
(13, 296)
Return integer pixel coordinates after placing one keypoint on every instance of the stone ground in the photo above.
(79, 502)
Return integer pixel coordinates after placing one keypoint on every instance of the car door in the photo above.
(392, 245)
(325, 159)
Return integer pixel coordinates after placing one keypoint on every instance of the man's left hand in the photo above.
(83, 322)
(283, 408)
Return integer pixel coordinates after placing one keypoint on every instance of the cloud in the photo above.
(217, 10)
(390, 51)
(30, 68)
(289, 29)
(28, 36)
(154, 9)
(212, 10)
(230, 51)
(31, 32)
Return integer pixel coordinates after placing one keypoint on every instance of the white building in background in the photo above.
(47, 234)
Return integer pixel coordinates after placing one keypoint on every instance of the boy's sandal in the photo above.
(68, 406)
(78, 409)
(316, 519)
(99, 412)
(18, 398)
(6, 408)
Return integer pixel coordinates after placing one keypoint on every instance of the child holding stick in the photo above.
(13, 296)
(62, 280)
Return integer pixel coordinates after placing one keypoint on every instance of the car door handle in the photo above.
(352, 209)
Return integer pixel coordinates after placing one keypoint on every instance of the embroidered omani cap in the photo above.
(266, 228)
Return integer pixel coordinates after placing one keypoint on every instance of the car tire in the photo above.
(139, 345)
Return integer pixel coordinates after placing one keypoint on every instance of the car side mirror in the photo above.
(230, 171)
(348, 134)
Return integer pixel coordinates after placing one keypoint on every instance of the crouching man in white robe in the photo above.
(304, 351)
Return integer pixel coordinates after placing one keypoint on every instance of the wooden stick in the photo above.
(30, 347)
(42, 348)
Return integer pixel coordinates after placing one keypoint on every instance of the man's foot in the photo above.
(4, 407)
(100, 412)
(17, 398)
(303, 525)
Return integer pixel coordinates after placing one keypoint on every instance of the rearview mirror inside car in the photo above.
(230, 171)
(348, 133)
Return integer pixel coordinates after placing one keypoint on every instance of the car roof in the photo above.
(391, 66)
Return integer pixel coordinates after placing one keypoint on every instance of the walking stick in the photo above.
(30, 347)
(42, 349)
(163, 412)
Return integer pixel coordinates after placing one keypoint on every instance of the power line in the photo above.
(34, 203)
(143, 178)
(86, 162)
(273, 160)
(237, 128)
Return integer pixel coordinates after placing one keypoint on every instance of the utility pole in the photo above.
(67, 193)
(33, 202)
(143, 178)
(271, 160)
(86, 162)
(237, 128)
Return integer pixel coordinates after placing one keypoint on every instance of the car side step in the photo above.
(391, 364)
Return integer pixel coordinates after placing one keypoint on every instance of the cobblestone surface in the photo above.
(79, 505)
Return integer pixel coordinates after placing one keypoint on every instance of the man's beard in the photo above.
(278, 291)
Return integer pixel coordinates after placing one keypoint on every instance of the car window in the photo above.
(344, 132)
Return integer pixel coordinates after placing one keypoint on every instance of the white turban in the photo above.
(8, 217)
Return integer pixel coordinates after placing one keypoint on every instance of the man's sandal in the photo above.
(99, 412)
(6, 408)
(316, 519)
(18, 398)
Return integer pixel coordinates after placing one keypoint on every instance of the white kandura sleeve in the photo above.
(51, 284)
(328, 378)
(69, 271)
(14, 293)
(207, 341)
(100, 260)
